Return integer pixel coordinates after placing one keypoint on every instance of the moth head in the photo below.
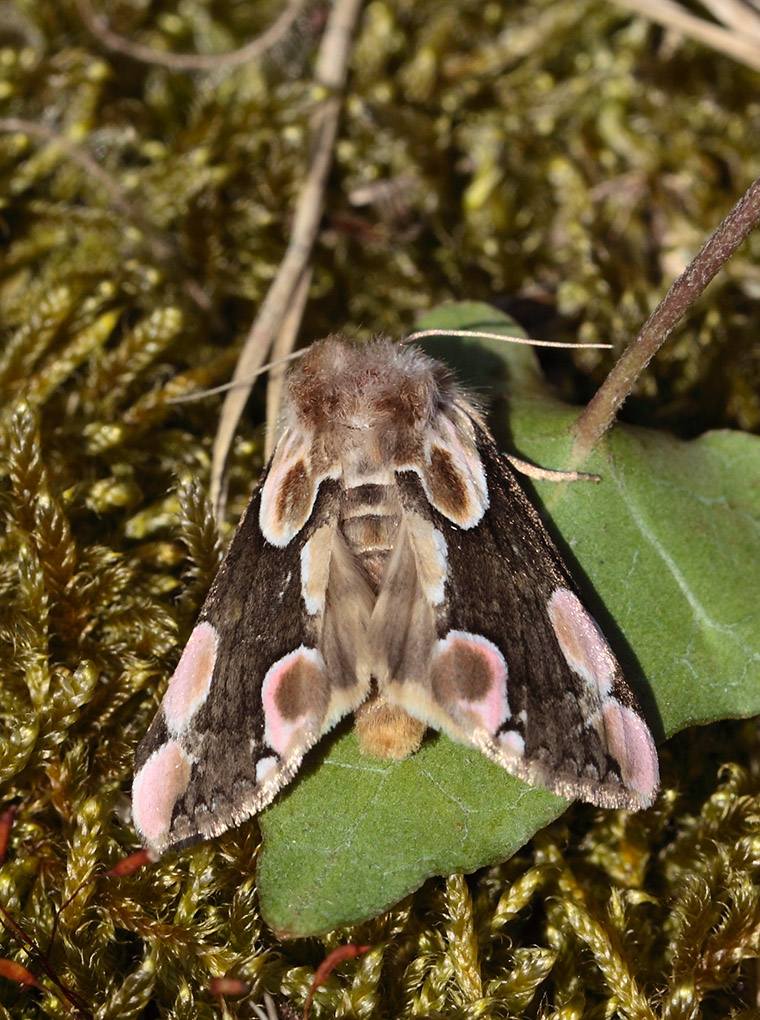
(343, 385)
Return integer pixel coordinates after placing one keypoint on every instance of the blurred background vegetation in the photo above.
(562, 159)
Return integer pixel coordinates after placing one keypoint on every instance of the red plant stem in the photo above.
(16, 972)
(327, 966)
(6, 824)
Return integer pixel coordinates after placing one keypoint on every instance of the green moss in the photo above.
(561, 158)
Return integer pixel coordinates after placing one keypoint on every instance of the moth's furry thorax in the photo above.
(338, 384)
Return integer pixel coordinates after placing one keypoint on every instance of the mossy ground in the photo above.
(560, 158)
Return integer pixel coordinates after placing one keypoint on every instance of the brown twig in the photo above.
(330, 73)
(735, 15)
(742, 47)
(282, 350)
(189, 61)
(711, 257)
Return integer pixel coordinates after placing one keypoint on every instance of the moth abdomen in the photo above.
(370, 516)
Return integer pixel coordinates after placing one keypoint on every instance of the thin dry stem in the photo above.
(189, 61)
(735, 14)
(672, 15)
(282, 354)
(331, 72)
(709, 260)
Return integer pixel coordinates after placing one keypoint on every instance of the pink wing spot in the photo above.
(630, 743)
(191, 681)
(469, 674)
(582, 643)
(294, 695)
(156, 789)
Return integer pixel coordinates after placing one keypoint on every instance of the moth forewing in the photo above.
(388, 563)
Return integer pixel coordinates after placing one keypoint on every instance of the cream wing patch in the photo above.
(430, 554)
(316, 556)
(290, 489)
(453, 475)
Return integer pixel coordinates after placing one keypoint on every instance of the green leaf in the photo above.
(665, 549)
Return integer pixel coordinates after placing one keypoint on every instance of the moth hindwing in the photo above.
(387, 564)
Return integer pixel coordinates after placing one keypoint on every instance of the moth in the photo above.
(388, 564)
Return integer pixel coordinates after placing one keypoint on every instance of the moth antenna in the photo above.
(237, 384)
(421, 334)
(190, 398)
(477, 334)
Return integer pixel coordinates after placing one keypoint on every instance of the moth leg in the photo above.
(549, 474)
